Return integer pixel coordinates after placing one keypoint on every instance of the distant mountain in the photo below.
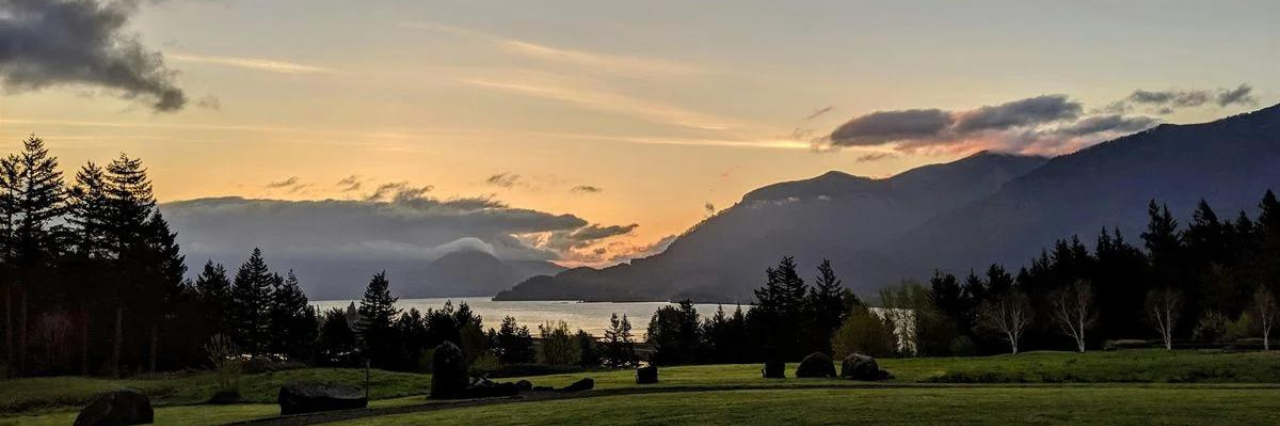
(724, 257)
(466, 273)
(955, 216)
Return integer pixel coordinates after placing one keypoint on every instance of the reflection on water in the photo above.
(592, 317)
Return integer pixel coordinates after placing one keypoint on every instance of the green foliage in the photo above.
(514, 343)
(589, 354)
(1214, 327)
(227, 365)
(864, 332)
(556, 346)
(249, 315)
(484, 364)
(619, 344)
(675, 334)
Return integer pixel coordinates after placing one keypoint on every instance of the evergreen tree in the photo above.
(619, 346)
(827, 306)
(779, 312)
(293, 320)
(674, 334)
(249, 314)
(337, 343)
(514, 343)
(89, 215)
(725, 337)
(214, 289)
(377, 313)
(588, 349)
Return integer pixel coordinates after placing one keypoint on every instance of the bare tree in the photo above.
(1162, 310)
(1264, 309)
(1008, 315)
(1073, 310)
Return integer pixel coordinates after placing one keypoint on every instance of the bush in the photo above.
(864, 332)
(227, 366)
(1214, 327)
(485, 364)
(557, 345)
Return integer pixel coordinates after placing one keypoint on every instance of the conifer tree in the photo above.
(827, 306)
(377, 313)
(780, 311)
(293, 326)
(214, 289)
(619, 346)
(249, 315)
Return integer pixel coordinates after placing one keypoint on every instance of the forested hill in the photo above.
(956, 216)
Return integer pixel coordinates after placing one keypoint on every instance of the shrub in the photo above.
(557, 345)
(864, 332)
(228, 366)
(1214, 327)
(485, 364)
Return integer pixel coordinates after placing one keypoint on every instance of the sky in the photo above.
(621, 123)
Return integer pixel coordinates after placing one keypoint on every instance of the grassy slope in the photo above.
(986, 405)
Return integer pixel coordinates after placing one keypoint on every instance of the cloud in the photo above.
(819, 112)
(875, 156)
(1171, 100)
(1047, 124)
(50, 43)
(210, 103)
(624, 253)
(291, 181)
(408, 225)
(586, 189)
(350, 183)
(604, 100)
(503, 180)
(268, 65)
(709, 208)
(397, 191)
(580, 59)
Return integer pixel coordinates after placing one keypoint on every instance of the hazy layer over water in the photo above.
(592, 317)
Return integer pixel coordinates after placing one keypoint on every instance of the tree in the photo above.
(293, 320)
(1264, 310)
(864, 332)
(557, 346)
(31, 199)
(514, 342)
(619, 347)
(780, 311)
(249, 315)
(377, 313)
(588, 349)
(1008, 315)
(214, 290)
(337, 343)
(725, 338)
(827, 305)
(674, 334)
(1163, 306)
(133, 238)
(1073, 310)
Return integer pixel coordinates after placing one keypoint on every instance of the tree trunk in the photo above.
(22, 332)
(155, 342)
(8, 325)
(84, 340)
(118, 343)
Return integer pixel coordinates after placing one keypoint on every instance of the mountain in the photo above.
(956, 216)
(464, 273)
(724, 257)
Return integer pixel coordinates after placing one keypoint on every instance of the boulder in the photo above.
(524, 385)
(581, 385)
(774, 370)
(483, 388)
(543, 388)
(448, 372)
(857, 366)
(315, 397)
(647, 375)
(817, 364)
(117, 408)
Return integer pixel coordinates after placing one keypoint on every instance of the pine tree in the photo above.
(164, 284)
(214, 290)
(377, 312)
(33, 198)
(827, 306)
(249, 315)
(780, 311)
(89, 215)
(514, 342)
(293, 326)
(619, 346)
(129, 203)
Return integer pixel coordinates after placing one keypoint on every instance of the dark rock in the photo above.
(483, 388)
(817, 364)
(543, 388)
(774, 370)
(117, 408)
(315, 397)
(581, 385)
(524, 385)
(448, 372)
(647, 375)
(857, 366)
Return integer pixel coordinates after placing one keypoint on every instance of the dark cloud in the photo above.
(875, 156)
(586, 189)
(1169, 101)
(503, 180)
(398, 191)
(291, 181)
(1106, 124)
(709, 208)
(567, 241)
(406, 226)
(888, 126)
(350, 183)
(47, 43)
(210, 103)
(819, 112)
(1019, 113)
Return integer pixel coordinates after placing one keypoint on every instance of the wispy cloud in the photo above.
(631, 65)
(291, 181)
(258, 64)
(602, 100)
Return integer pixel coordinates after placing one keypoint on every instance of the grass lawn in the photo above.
(950, 406)
(53, 401)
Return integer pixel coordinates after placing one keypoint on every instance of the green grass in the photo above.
(952, 406)
(52, 401)
(47, 394)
